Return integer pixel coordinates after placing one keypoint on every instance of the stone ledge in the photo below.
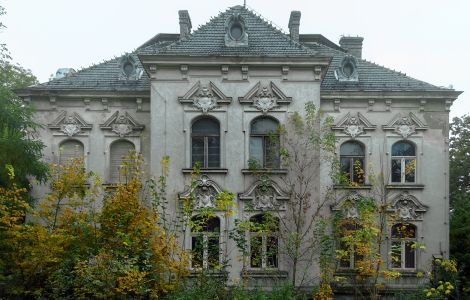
(206, 171)
(264, 171)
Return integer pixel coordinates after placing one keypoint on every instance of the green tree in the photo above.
(460, 195)
(20, 151)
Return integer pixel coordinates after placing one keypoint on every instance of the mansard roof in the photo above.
(264, 40)
(209, 40)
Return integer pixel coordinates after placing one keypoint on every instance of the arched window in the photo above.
(404, 246)
(118, 153)
(264, 143)
(205, 143)
(264, 244)
(352, 156)
(70, 149)
(403, 162)
(205, 235)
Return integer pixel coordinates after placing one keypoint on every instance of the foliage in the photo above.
(460, 196)
(72, 250)
(19, 149)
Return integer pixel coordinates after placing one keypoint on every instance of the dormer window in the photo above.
(129, 68)
(235, 31)
(347, 70)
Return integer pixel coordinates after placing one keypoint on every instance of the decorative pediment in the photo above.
(122, 124)
(354, 125)
(205, 97)
(407, 207)
(205, 191)
(405, 125)
(70, 125)
(265, 194)
(265, 97)
(235, 31)
(348, 205)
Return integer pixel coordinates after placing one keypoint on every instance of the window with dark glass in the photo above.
(352, 156)
(205, 235)
(205, 143)
(403, 162)
(264, 143)
(403, 246)
(264, 241)
(348, 243)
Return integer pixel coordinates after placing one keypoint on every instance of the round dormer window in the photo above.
(348, 69)
(236, 31)
(128, 68)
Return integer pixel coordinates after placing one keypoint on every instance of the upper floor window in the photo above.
(404, 246)
(70, 149)
(403, 162)
(205, 235)
(352, 157)
(119, 152)
(264, 241)
(264, 143)
(205, 143)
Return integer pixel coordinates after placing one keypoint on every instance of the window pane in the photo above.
(396, 170)
(256, 247)
(206, 126)
(213, 149)
(264, 126)
(271, 251)
(197, 151)
(396, 254)
(352, 149)
(410, 170)
(345, 261)
(272, 152)
(213, 251)
(409, 255)
(358, 168)
(256, 150)
(346, 166)
(197, 250)
(403, 149)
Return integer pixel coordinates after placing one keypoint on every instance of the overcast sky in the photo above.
(426, 39)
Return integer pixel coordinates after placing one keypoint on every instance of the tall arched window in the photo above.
(264, 243)
(404, 246)
(118, 153)
(403, 162)
(352, 157)
(205, 244)
(70, 149)
(205, 143)
(264, 143)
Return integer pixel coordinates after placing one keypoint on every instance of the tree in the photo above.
(459, 179)
(20, 151)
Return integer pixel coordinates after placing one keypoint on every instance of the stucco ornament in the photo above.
(407, 207)
(264, 195)
(122, 126)
(405, 127)
(70, 126)
(350, 209)
(205, 100)
(264, 101)
(353, 127)
(406, 210)
(203, 193)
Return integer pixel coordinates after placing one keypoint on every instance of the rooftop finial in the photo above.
(244, 3)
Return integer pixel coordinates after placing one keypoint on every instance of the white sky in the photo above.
(426, 39)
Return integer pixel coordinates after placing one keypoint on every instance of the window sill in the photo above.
(264, 273)
(264, 171)
(351, 187)
(405, 186)
(206, 171)
(209, 272)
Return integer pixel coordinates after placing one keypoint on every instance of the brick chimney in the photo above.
(353, 44)
(185, 24)
(294, 24)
